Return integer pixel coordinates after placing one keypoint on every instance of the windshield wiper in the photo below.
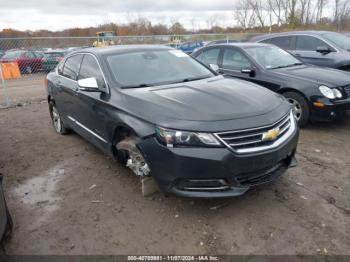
(295, 64)
(137, 86)
(189, 79)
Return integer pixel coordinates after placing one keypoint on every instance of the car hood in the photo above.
(208, 100)
(318, 75)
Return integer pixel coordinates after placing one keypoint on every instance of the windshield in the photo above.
(149, 68)
(271, 57)
(338, 39)
(13, 54)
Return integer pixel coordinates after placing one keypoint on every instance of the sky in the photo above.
(57, 15)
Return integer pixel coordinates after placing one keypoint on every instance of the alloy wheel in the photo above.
(56, 120)
(297, 110)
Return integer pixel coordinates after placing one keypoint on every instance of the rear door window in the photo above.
(210, 56)
(309, 43)
(283, 42)
(71, 67)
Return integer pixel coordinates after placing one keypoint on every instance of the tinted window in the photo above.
(89, 68)
(147, 68)
(234, 60)
(71, 67)
(309, 43)
(281, 41)
(209, 56)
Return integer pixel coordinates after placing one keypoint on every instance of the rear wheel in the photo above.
(301, 108)
(56, 119)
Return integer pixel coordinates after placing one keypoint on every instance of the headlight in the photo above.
(330, 93)
(337, 93)
(327, 92)
(184, 138)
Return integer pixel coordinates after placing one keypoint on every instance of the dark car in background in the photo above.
(189, 47)
(52, 58)
(28, 61)
(167, 116)
(320, 48)
(316, 93)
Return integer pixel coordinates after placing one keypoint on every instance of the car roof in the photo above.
(121, 49)
(308, 32)
(240, 44)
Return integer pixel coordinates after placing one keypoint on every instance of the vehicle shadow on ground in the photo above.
(331, 126)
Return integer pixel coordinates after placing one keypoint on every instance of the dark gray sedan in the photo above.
(322, 48)
(168, 117)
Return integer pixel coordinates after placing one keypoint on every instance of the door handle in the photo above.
(297, 54)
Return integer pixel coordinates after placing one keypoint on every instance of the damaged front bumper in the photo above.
(214, 172)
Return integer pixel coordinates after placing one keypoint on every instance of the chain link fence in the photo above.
(24, 62)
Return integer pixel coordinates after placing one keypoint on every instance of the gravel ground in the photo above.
(66, 197)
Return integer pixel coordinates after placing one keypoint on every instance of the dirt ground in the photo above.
(26, 89)
(66, 197)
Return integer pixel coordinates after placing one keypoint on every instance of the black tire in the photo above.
(301, 108)
(56, 119)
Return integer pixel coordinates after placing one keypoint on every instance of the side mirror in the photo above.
(215, 67)
(248, 71)
(323, 49)
(89, 84)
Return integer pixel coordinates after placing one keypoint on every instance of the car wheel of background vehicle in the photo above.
(28, 70)
(56, 119)
(301, 109)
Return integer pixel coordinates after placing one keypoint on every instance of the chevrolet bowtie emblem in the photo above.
(271, 134)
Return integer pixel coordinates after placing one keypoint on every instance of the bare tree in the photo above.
(259, 9)
(243, 14)
(275, 8)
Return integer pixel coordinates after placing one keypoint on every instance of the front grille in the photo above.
(347, 90)
(263, 176)
(251, 140)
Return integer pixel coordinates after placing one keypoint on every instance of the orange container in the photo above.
(10, 71)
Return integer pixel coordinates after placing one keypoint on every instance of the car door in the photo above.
(306, 49)
(92, 114)
(67, 88)
(235, 63)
